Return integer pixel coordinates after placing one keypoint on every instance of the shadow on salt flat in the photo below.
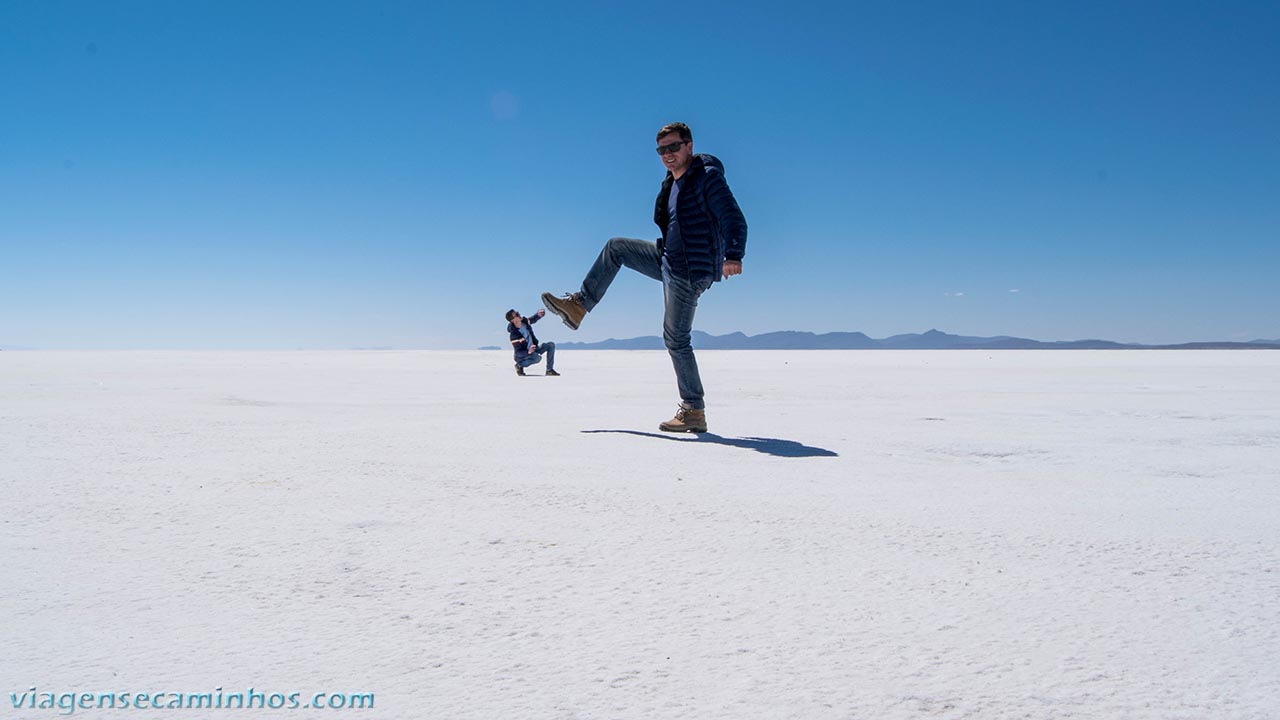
(768, 446)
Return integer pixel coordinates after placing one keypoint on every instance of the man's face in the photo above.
(515, 319)
(676, 159)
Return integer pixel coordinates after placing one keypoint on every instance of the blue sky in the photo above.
(332, 175)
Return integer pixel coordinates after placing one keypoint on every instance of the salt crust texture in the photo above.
(871, 535)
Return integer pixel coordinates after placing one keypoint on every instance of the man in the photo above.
(525, 343)
(704, 237)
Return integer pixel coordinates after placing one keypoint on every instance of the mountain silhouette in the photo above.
(931, 340)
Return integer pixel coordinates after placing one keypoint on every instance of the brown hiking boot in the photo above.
(519, 370)
(569, 308)
(686, 420)
(552, 373)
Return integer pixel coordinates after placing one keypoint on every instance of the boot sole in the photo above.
(683, 430)
(550, 301)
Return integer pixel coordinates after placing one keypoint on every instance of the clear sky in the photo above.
(375, 174)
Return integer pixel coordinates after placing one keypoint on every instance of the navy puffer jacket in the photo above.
(712, 228)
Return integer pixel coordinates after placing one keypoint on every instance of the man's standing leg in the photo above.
(681, 300)
(639, 255)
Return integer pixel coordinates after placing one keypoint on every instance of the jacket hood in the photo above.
(709, 160)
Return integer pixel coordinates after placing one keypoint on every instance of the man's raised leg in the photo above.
(639, 255)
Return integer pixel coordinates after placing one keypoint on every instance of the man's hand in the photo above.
(533, 348)
(732, 267)
(541, 312)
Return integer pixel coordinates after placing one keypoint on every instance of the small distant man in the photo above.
(704, 237)
(527, 348)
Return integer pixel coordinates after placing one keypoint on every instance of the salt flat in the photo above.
(863, 535)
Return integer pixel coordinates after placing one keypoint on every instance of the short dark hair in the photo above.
(511, 314)
(685, 133)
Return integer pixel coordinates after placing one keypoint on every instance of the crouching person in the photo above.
(528, 351)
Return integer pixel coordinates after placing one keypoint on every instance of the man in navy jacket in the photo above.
(704, 237)
(528, 350)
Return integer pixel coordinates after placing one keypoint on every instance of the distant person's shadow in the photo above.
(768, 446)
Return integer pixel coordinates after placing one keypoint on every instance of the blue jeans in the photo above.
(680, 300)
(535, 357)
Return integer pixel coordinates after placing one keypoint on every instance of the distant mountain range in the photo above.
(931, 340)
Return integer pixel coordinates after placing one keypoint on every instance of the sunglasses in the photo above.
(672, 148)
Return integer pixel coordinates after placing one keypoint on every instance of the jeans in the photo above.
(680, 300)
(535, 357)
